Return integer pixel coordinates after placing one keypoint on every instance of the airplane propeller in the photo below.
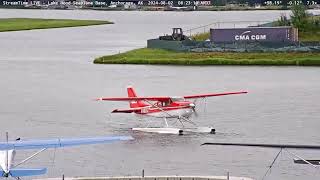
(195, 112)
(193, 107)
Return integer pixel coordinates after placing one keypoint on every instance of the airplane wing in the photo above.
(27, 172)
(160, 98)
(216, 94)
(293, 146)
(164, 98)
(59, 142)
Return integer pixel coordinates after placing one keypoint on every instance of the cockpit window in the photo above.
(173, 99)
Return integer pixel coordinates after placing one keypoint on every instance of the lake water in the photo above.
(48, 83)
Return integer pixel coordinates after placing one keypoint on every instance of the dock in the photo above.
(152, 178)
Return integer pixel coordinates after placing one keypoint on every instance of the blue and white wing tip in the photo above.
(126, 138)
(115, 138)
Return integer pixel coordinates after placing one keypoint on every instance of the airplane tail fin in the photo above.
(131, 92)
(134, 104)
(27, 172)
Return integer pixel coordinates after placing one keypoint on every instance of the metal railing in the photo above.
(224, 24)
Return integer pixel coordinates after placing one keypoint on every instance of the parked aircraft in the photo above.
(8, 151)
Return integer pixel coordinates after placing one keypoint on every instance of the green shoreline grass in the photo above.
(166, 57)
(19, 24)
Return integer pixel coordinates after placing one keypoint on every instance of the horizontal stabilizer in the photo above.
(131, 110)
(27, 172)
(123, 111)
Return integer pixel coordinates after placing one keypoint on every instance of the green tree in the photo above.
(284, 4)
(299, 17)
(218, 2)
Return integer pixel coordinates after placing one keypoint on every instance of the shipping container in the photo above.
(252, 34)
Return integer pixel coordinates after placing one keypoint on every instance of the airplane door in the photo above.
(144, 110)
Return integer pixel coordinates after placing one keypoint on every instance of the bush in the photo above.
(283, 21)
(314, 24)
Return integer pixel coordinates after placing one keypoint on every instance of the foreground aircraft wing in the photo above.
(215, 94)
(300, 160)
(293, 146)
(59, 142)
(160, 98)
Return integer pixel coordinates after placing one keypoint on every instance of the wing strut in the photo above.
(294, 155)
(187, 120)
(274, 160)
(7, 153)
(154, 105)
(30, 157)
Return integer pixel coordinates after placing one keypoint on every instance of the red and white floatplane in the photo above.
(180, 108)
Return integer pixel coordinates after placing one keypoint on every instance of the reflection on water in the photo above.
(48, 84)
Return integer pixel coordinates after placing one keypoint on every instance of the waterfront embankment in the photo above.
(19, 24)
